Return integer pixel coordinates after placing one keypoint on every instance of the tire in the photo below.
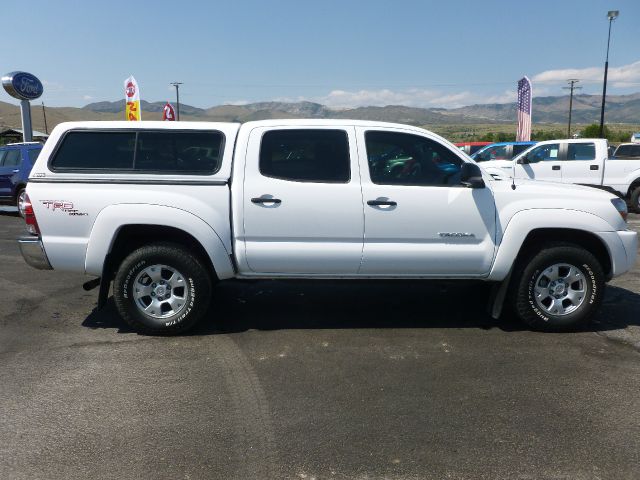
(547, 299)
(634, 200)
(20, 200)
(162, 289)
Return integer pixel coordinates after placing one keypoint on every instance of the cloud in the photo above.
(413, 97)
(87, 97)
(621, 77)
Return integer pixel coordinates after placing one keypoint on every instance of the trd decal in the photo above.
(63, 206)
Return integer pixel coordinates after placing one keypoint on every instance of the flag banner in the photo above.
(168, 113)
(132, 97)
(524, 110)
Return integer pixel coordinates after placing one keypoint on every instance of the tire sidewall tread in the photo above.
(525, 305)
(196, 276)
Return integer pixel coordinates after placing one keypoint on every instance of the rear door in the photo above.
(302, 201)
(543, 163)
(580, 164)
(10, 160)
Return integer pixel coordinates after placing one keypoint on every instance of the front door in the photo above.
(419, 219)
(543, 163)
(10, 160)
(302, 201)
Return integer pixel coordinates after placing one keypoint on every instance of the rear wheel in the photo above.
(559, 288)
(20, 200)
(162, 289)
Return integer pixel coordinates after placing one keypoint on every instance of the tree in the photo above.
(593, 131)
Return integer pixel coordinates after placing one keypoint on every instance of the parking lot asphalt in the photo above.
(302, 380)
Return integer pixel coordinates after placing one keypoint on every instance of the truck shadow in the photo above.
(274, 305)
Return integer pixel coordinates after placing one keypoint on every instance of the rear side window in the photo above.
(95, 151)
(581, 151)
(183, 152)
(306, 155)
(33, 154)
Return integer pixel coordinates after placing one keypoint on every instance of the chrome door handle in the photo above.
(379, 203)
(265, 200)
(16, 171)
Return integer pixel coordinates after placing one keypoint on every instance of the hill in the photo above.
(586, 109)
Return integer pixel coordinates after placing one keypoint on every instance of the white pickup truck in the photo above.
(581, 161)
(164, 209)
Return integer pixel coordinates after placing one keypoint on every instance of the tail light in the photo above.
(30, 217)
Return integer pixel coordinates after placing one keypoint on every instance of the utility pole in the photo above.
(572, 82)
(44, 114)
(177, 85)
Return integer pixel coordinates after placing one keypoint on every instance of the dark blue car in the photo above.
(16, 161)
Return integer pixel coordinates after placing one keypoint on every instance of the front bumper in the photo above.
(33, 252)
(623, 249)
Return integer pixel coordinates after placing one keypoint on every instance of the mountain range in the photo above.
(586, 109)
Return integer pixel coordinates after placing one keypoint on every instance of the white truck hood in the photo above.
(536, 194)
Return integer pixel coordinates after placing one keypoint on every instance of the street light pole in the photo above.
(611, 15)
(177, 85)
(572, 82)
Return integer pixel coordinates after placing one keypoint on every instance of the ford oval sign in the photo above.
(22, 85)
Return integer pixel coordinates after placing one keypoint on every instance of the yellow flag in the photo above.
(132, 97)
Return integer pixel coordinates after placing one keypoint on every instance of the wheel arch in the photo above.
(120, 229)
(531, 228)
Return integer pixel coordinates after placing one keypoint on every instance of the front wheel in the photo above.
(559, 289)
(162, 289)
(634, 200)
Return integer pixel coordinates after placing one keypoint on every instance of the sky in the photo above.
(343, 54)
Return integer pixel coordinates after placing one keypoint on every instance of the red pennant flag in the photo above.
(168, 113)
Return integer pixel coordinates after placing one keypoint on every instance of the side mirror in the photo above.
(471, 176)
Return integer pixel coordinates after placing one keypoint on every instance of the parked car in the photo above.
(16, 161)
(501, 151)
(303, 199)
(629, 151)
(471, 147)
(583, 161)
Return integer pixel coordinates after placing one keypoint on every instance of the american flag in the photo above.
(524, 110)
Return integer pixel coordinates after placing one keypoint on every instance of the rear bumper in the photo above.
(33, 253)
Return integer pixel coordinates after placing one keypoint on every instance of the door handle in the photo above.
(16, 171)
(594, 167)
(379, 203)
(555, 167)
(265, 200)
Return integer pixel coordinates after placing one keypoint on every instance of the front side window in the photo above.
(146, 151)
(11, 158)
(628, 151)
(544, 153)
(581, 151)
(406, 159)
(518, 149)
(306, 155)
(493, 153)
